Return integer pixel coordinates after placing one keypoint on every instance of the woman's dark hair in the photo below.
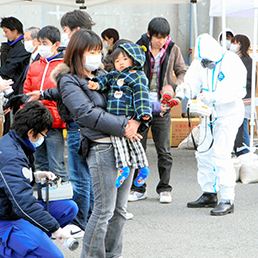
(110, 33)
(159, 26)
(77, 18)
(116, 53)
(82, 40)
(12, 24)
(244, 41)
(32, 116)
(49, 32)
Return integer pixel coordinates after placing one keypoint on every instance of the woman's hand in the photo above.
(92, 85)
(35, 95)
(131, 130)
(146, 117)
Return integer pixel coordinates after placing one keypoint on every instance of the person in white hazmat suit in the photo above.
(220, 76)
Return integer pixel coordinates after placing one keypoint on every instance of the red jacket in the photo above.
(38, 78)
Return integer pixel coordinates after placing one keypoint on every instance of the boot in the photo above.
(223, 208)
(206, 200)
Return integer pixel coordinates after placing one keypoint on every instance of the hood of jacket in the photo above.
(60, 70)
(206, 47)
(136, 52)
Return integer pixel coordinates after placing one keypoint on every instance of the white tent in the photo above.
(239, 8)
(89, 3)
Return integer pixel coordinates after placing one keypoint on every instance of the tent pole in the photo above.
(191, 34)
(195, 19)
(223, 14)
(211, 25)
(252, 123)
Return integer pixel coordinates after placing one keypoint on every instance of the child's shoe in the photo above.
(142, 174)
(123, 173)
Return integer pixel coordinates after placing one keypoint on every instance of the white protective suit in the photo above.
(224, 86)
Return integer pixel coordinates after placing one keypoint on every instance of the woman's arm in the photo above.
(84, 111)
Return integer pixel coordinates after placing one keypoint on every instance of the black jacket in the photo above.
(144, 40)
(86, 106)
(16, 194)
(16, 63)
(248, 65)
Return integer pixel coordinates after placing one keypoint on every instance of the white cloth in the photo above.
(226, 86)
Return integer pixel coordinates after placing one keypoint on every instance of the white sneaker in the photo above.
(75, 231)
(165, 197)
(128, 216)
(135, 196)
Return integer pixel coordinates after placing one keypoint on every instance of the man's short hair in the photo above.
(77, 18)
(34, 31)
(32, 116)
(12, 24)
(159, 26)
(50, 32)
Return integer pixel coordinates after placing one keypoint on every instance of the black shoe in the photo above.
(223, 209)
(206, 200)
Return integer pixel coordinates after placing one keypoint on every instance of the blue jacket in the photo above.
(16, 193)
(128, 92)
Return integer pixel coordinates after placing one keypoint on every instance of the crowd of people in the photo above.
(49, 87)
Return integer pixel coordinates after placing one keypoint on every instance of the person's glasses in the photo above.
(44, 135)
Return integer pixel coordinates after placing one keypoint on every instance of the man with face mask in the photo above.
(229, 36)
(221, 76)
(25, 225)
(73, 21)
(50, 155)
(31, 46)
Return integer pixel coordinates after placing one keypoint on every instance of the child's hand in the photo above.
(146, 117)
(92, 85)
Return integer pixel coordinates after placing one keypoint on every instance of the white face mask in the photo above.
(228, 43)
(92, 62)
(38, 142)
(105, 45)
(29, 46)
(65, 38)
(234, 48)
(45, 51)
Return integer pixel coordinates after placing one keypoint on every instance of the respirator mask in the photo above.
(208, 64)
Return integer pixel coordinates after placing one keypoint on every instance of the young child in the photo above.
(128, 95)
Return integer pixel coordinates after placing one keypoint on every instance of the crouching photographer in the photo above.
(25, 225)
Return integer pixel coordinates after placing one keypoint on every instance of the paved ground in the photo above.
(173, 230)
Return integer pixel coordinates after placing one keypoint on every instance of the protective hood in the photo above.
(227, 30)
(136, 52)
(206, 47)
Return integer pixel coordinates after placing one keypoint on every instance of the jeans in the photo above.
(242, 137)
(103, 236)
(160, 128)
(50, 155)
(79, 175)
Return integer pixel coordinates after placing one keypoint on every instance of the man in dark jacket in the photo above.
(163, 57)
(24, 221)
(18, 58)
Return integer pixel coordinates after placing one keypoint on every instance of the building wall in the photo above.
(131, 20)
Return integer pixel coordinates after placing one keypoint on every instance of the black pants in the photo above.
(160, 128)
